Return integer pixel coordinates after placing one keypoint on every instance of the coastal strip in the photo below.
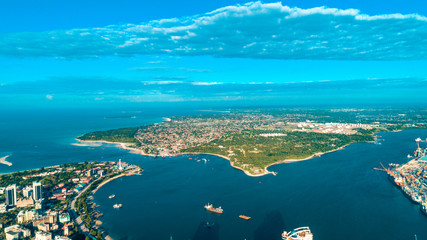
(129, 147)
(3, 161)
(88, 192)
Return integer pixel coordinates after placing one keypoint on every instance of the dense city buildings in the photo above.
(40, 206)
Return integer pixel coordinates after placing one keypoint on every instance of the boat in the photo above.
(409, 156)
(302, 233)
(244, 217)
(424, 208)
(117, 205)
(210, 208)
(111, 196)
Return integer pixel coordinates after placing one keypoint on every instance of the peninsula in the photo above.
(253, 140)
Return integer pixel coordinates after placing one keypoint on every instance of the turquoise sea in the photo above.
(339, 195)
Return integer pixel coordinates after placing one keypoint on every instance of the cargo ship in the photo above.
(210, 208)
(244, 217)
(117, 205)
(112, 196)
(302, 233)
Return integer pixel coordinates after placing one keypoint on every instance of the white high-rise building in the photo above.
(37, 191)
(11, 195)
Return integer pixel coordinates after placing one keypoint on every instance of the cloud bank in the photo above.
(252, 30)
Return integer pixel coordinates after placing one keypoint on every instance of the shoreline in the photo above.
(128, 146)
(4, 161)
(307, 158)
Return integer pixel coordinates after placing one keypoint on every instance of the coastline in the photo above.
(307, 158)
(128, 146)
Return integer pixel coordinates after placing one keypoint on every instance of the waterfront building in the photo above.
(27, 191)
(11, 195)
(16, 232)
(37, 191)
(43, 236)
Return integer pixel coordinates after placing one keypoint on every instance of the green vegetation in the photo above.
(123, 135)
(237, 134)
(253, 152)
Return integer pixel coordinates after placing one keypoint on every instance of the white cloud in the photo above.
(252, 30)
(49, 97)
(161, 82)
(205, 83)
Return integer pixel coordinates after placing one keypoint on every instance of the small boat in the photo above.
(409, 156)
(424, 208)
(117, 205)
(244, 217)
(210, 208)
(302, 233)
(111, 196)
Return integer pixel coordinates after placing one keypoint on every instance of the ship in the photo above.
(210, 208)
(117, 205)
(111, 196)
(302, 233)
(424, 208)
(244, 217)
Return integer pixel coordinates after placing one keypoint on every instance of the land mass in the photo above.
(253, 140)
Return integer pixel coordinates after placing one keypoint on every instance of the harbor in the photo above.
(411, 177)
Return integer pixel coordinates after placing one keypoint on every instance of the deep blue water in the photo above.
(338, 195)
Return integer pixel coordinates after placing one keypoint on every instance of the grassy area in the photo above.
(252, 151)
(124, 135)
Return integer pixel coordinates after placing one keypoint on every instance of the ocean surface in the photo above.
(338, 195)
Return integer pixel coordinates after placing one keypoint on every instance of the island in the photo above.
(254, 139)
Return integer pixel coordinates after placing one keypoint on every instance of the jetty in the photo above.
(3, 161)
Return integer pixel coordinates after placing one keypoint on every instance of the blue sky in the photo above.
(103, 53)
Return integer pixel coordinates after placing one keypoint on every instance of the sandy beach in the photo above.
(3, 161)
